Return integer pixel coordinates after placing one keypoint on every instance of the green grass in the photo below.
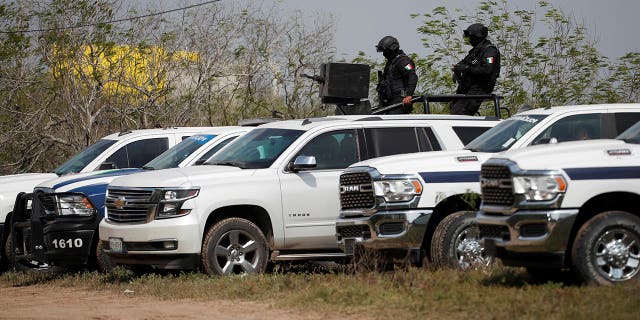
(501, 293)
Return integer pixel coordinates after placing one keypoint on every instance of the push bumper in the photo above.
(166, 244)
(401, 229)
(535, 238)
(70, 241)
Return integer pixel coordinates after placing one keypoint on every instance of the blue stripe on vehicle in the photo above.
(96, 193)
(450, 176)
(603, 173)
(110, 173)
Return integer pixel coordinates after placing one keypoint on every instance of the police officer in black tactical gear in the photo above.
(478, 71)
(399, 79)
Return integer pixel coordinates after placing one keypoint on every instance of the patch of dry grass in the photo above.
(501, 293)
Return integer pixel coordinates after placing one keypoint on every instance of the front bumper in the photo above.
(397, 229)
(535, 238)
(144, 243)
(69, 240)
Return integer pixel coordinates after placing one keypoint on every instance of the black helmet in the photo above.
(388, 43)
(477, 30)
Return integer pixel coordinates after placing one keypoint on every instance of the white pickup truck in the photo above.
(60, 229)
(566, 206)
(268, 196)
(127, 149)
(422, 206)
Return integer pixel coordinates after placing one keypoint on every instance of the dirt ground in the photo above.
(44, 302)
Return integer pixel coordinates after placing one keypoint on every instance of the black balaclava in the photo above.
(477, 33)
(389, 46)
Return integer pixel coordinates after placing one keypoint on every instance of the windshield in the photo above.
(174, 156)
(82, 159)
(631, 135)
(257, 149)
(505, 134)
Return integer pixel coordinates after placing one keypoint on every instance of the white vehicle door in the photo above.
(310, 198)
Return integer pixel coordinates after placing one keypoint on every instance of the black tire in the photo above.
(234, 246)
(103, 261)
(455, 243)
(606, 249)
(21, 266)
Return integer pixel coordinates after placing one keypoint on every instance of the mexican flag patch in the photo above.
(408, 67)
(490, 59)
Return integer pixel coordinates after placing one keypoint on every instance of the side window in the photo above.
(333, 150)
(467, 134)
(142, 151)
(571, 128)
(389, 141)
(120, 159)
(624, 120)
(213, 150)
(138, 153)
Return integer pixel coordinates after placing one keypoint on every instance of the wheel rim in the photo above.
(237, 252)
(469, 252)
(616, 254)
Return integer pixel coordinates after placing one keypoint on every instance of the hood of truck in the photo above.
(179, 177)
(461, 160)
(592, 153)
(13, 184)
(73, 182)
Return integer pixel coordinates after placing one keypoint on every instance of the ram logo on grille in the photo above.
(355, 188)
(495, 183)
(120, 202)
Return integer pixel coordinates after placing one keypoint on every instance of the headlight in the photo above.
(397, 190)
(171, 202)
(539, 188)
(75, 205)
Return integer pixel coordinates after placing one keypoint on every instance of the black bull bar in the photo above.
(41, 237)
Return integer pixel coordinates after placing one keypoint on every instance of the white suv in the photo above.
(270, 195)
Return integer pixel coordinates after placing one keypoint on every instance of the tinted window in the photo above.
(82, 159)
(389, 141)
(174, 156)
(631, 135)
(505, 134)
(333, 150)
(215, 149)
(572, 128)
(624, 120)
(137, 153)
(257, 149)
(467, 134)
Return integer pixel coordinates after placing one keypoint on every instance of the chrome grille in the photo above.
(501, 192)
(129, 205)
(356, 191)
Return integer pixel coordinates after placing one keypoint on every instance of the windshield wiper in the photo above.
(228, 163)
(148, 168)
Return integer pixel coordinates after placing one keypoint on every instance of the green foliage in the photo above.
(548, 58)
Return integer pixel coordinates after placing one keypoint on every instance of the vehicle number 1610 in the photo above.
(67, 243)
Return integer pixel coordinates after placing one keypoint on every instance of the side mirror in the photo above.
(107, 166)
(303, 163)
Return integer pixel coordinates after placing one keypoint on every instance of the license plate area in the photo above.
(116, 245)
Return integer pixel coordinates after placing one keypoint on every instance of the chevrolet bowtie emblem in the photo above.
(120, 202)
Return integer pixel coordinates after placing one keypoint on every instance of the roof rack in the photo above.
(426, 98)
(254, 122)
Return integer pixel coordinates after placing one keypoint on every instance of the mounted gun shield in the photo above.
(52, 229)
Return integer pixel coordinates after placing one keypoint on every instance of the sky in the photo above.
(360, 24)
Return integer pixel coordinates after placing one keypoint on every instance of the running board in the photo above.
(276, 256)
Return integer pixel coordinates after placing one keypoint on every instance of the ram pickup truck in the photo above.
(127, 149)
(269, 196)
(421, 206)
(569, 206)
(60, 226)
